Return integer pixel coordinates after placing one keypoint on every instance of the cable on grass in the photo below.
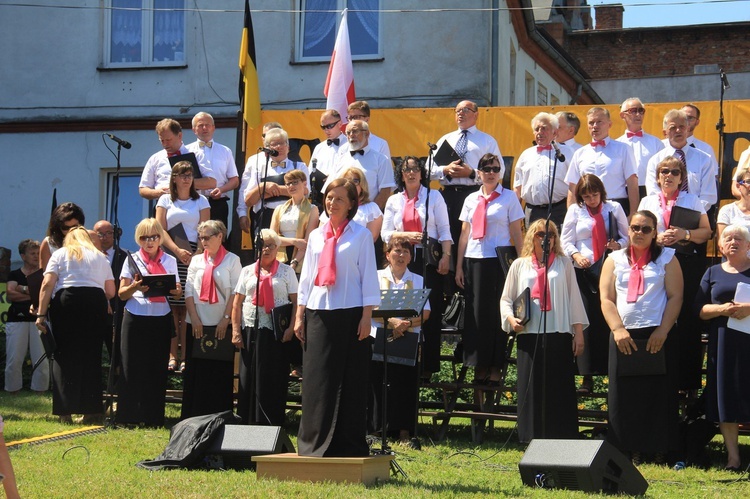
(88, 454)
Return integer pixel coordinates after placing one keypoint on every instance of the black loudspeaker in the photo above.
(237, 444)
(588, 465)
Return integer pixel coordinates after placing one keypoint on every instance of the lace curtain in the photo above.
(320, 27)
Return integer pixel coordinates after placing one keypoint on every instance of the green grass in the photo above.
(103, 465)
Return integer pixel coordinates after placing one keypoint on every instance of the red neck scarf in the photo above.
(327, 263)
(411, 220)
(635, 284)
(208, 287)
(666, 206)
(265, 286)
(154, 267)
(541, 282)
(479, 220)
(598, 232)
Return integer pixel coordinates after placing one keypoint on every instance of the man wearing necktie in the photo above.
(644, 145)
(158, 171)
(377, 167)
(326, 153)
(220, 160)
(533, 172)
(700, 174)
(611, 161)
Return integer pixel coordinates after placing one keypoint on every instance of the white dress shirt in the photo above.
(478, 144)
(226, 275)
(576, 235)
(534, 171)
(218, 158)
(376, 144)
(614, 164)
(570, 144)
(377, 167)
(652, 203)
(701, 179)
(139, 304)
(284, 283)
(327, 154)
(501, 211)
(438, 225)
(92, 271)
(158, 171)
(643, 148)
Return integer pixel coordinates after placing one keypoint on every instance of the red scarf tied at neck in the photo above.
(635, 283)
(479, 219)
(598, 232)
(666, 206)
(411, 220)
(541, 282)
(208, 287)
(265, 284)
(327, 262)
(154, 267)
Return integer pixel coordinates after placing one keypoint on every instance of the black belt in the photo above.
(459, 188)
(212, 200)
(545, 206)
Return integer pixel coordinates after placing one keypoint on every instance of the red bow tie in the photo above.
(543, 148)
(639, 133)
(595, 143)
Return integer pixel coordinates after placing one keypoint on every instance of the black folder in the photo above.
(506, 254)
(445, 154)
(688, 219)
(190, 158)
(401, 350)
(281, 317)
(34, 282)
(521, 308)
(211, 348)
(641, 362)
(179, 237)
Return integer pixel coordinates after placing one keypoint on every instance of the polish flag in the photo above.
(339, 89)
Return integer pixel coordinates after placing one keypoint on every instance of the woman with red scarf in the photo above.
(641, 293)
(546, 377)
(259, 347)
(690, 250)
(209, 294)
(147, 329)
(337, 292)
(586, 240)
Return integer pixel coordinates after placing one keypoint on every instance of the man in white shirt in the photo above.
(325, 155)
(700, 178)
(694, 119)
(533, 173)
(644, 145)
(220, 160)
(569, 126)
(254, 163)
(611, 161)
(158, 170)
(360, 110)
(377, 167)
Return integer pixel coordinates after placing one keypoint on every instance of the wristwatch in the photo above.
(226, 316)
(687, 235)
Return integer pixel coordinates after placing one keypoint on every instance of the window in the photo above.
(554, 100)
(131, 209)
(145, 33)
(541, 95)
(318, 23)
(530, 90)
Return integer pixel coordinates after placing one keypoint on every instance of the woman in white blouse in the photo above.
(738, 212)
(547, 404)
(405, 214)
(147, 330)
(77, 283)
(253, 333)
(586, 240)
(207, 386)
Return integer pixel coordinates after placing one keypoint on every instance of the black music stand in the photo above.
(395, 303)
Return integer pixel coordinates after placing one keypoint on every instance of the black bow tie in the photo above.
(358, 151)
(332, 141)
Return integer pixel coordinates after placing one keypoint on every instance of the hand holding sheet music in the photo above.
(741, 322)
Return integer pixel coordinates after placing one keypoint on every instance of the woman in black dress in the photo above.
(727, 389)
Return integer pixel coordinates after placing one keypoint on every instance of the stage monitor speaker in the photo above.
(588, 465)
(237, 444)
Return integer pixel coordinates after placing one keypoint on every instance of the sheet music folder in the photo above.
(401, 302)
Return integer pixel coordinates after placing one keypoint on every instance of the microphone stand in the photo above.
(720, 158)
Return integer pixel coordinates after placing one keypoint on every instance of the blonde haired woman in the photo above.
(77, 283)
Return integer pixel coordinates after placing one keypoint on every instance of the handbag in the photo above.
(453, 316)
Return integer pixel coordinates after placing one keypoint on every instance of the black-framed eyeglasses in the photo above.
(643, 229)
(330, 125)
(676, 172)
(203, 239)
(541, 234)
(412, 169)
(293, 183)
(465, 110)
(743, 182)
(149, 239)
(636, 110)
(490, 169)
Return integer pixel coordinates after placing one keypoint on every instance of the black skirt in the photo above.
(550, 396)
(595, 356)
(79, 321)
(267, 405)
(484, 341)
(207, 385)
(432, 329)
(689, 325)
(334, 396)
(402, 393)
(643, 409)
(142, 385)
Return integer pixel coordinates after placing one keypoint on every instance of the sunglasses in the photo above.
(149, 239)
(636, 110)
(540, 235)
(329, 125)
(411, 169)
(676, 172)
(353, 180)
(490, 169)
(203, 239)
(644, 229)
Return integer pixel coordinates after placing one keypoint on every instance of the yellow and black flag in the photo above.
(249, 92)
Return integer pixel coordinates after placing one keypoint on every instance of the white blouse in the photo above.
(184, 211)
(576, 230)
(226, 276)
(438, 226)
(366, 213)
(652, 203)
(284, 283)
(139, 304)
(408, 281)
(92, 271)
(501, 211)
(567, 305)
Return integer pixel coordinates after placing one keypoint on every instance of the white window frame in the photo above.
(147, 40)
(299, 30)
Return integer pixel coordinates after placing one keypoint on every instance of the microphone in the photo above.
(123, 143)
(313, 164)
(560, 157)
(269, 152)
(724, 82)
(431, 146)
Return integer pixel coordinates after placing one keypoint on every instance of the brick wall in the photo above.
(609, 16)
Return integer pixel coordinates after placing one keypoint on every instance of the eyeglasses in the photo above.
(635, 110)
(276, 145)
(330, 125)
(743, 182)
(203, 239)
(644, 229)
(354, 180)
(490, 169)
(184, 176)
(540, 235)
(676, 172)
(356, 117)
(149, 239)
(411, 169)
(293, 183)
(102, 235)
(269, 246)
(465, 110)
(353, 131)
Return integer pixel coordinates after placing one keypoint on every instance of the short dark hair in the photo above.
(589, 183)
(360, 105)
(351, 194)
(398, 172)
(27, 244)
(655, 247)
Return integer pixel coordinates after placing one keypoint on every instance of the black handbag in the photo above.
(454, 312)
